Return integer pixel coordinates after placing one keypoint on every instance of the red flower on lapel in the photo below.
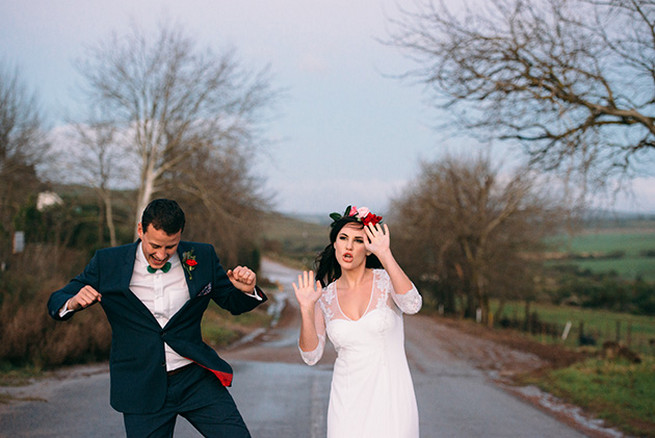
(189, 262)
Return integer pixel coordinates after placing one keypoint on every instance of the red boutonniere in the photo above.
(189, 262)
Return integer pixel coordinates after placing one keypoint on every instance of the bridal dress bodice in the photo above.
(372, 394)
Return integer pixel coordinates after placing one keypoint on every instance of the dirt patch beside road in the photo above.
(506, 351)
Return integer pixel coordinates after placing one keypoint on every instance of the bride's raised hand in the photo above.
(307, 291)
(378, 238)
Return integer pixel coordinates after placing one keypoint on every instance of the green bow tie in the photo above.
(164, 269)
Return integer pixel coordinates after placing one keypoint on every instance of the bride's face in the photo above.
(349, 247)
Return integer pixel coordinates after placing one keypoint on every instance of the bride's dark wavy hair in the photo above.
(326, 266)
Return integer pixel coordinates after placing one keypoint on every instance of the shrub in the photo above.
(29, 335)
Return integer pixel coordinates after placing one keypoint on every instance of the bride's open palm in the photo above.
(378, 238)
(307, 291)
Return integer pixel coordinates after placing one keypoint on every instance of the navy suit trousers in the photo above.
(197, 395)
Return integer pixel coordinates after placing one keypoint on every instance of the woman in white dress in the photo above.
(358, 300)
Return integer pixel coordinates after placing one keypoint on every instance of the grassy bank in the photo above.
(619, 392)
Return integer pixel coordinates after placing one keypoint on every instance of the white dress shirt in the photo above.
(163, 294)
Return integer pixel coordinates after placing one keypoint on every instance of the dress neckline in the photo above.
(368, 306)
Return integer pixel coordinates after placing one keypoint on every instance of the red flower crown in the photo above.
(362, 214)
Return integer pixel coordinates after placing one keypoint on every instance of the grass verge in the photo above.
(220, 328)
(615, 390)
(619, 392)
(17, 376)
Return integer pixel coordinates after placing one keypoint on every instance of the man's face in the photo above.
(158, 246)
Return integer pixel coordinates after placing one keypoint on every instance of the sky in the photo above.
(347, 130)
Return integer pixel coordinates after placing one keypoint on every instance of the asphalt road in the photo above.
(281, 397)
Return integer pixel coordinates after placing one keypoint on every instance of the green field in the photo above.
(636, 331)
(606, 240)
(628, 267)
(592, 249)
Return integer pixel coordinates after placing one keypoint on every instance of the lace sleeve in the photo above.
(409, 302)
(311, 357)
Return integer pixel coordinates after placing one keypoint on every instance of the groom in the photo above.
(154, 293)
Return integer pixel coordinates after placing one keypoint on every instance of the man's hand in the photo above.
(87, 296)
(243, 278)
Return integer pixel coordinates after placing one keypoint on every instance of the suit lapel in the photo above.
(128, 265)
(126, 276)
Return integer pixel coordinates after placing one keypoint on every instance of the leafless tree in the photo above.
(23, 146)
(98, 145)
(572, 81)
(176, 102)
(223, 201)
(470, 232)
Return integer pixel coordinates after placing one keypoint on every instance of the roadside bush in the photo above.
(648, 253)
(602, 291)
(29, 336)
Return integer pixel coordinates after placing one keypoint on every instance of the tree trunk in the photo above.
(145, 195)
(109, 217)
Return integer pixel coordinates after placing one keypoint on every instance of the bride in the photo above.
(358, 299)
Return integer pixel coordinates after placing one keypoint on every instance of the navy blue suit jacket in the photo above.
(137, 363)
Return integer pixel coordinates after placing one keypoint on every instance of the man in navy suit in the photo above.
(154, 293)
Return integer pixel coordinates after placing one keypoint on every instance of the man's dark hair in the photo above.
(163, 214)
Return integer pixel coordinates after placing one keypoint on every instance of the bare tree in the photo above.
(223, 201)
(573, 81)
(175, 101)
(471, 232)
(23, 146)
(98, 146)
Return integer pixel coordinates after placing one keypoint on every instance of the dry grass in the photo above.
(29, 335)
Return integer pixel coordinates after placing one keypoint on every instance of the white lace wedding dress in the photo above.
(372, 393)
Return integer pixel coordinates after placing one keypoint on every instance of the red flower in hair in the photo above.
(371, 219)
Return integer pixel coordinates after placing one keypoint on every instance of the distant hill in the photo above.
(318, 218)
(294, 237)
